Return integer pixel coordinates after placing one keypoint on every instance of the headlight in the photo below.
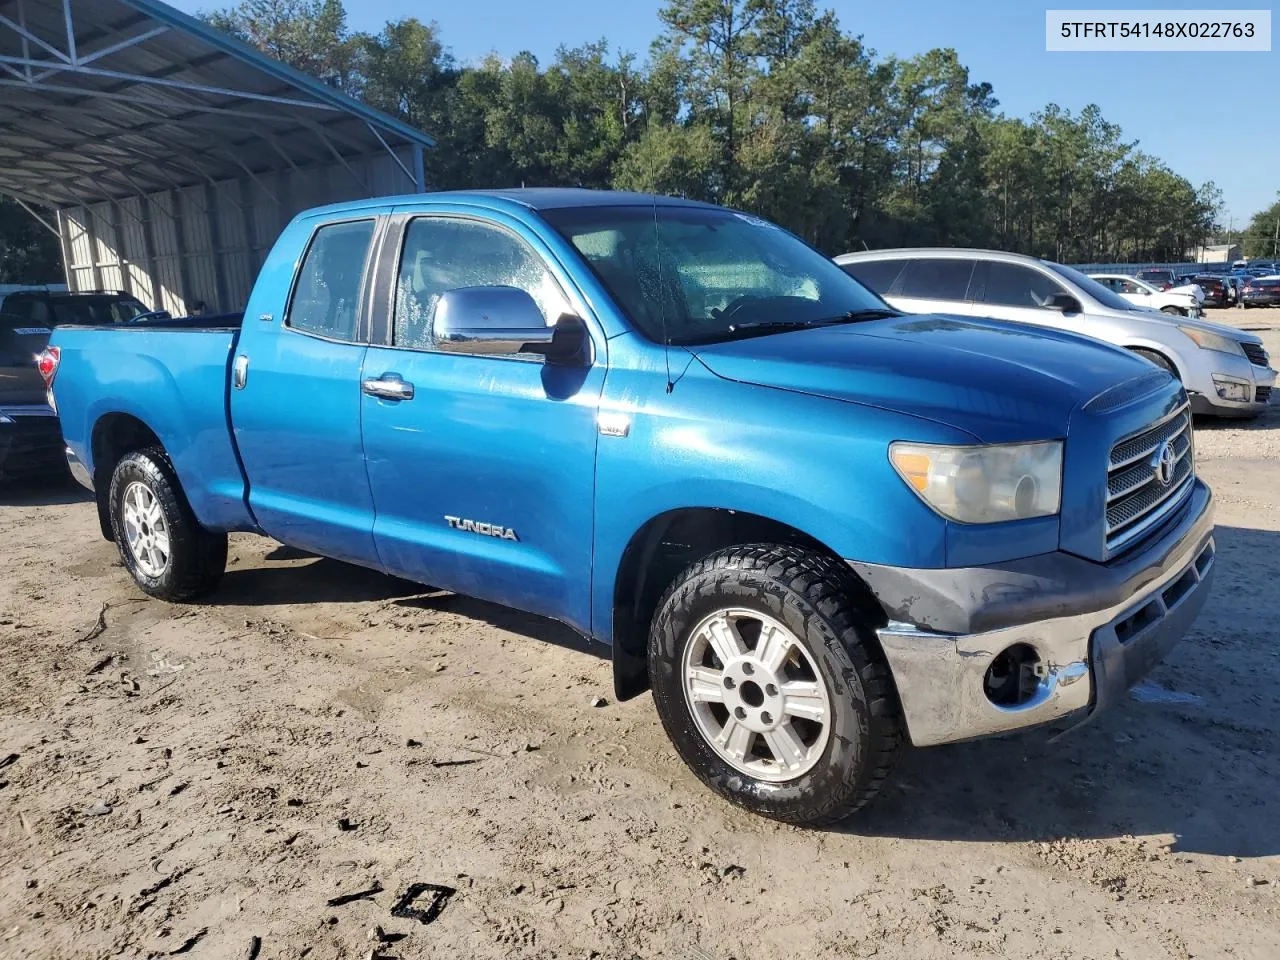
(988, 484)
(1213, 341)
(4, 419)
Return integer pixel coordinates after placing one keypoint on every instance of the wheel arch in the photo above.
(113, 436)
(664, 546)
(1140, 346)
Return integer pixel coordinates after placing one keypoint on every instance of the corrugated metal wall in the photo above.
(205, 243)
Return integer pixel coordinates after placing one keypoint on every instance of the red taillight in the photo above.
(1166, 286)
(47, 363)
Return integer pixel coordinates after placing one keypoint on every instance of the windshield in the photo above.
(1109, 299)
(95, 311)
(698, 275)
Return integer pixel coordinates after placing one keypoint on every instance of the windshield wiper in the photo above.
(869, 313)
(849, 316)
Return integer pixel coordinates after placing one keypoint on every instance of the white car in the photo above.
(1184, 301)
(1226, 370)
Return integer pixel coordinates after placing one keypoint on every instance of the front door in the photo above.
(297, 413)
(482, 467)
(1013, 291)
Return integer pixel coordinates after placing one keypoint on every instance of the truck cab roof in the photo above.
(531, 198)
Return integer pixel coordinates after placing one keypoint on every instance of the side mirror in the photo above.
(488, 321)
(1064, 302)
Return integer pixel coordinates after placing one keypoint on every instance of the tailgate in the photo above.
(20, 381)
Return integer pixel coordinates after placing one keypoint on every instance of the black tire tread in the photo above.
(832, 590)
(198, 556)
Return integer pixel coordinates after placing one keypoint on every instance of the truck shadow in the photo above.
(331, 581)
(1270, 420)
(1192, 754)
(54, 490)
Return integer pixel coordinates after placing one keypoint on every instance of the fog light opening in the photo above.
(1013, 676)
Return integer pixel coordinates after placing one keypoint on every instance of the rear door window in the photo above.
(936, 279)
(326, 296)
(875, 275)
(1013, 285)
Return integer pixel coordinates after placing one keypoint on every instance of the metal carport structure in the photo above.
(173, 153)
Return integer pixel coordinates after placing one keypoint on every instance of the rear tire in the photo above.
(1159, 359)
(164, 548)
(770, 683)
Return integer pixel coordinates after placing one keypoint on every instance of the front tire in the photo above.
(1173, 311)
(164, 548)
(769, 682)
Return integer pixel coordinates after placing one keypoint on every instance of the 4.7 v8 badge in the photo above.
(484, 529)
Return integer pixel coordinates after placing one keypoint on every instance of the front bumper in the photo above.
(1097, 628)
(1238, 376)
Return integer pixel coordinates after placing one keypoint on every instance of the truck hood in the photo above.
(999, 382)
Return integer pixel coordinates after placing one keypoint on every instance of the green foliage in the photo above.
(28, 252)
(1262, 238)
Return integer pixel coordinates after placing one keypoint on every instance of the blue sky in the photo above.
(1189, 109)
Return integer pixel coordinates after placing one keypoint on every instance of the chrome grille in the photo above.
(1255, 353)
(1137, 501)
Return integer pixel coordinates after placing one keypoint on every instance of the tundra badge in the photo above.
(484, 529)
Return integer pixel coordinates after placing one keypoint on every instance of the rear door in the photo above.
(877, 276)
(484, 478)
(934, 285)
(295, 395)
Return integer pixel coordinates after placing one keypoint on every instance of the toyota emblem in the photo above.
(1163, 463)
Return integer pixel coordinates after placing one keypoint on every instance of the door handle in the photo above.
(240, 372)
(389, 386)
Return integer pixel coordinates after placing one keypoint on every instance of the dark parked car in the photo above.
(1160, 279)
(30, 442)
(95, 309)
(1261, 293)
(1214, 287)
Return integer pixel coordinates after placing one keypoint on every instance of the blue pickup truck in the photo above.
(816, 528)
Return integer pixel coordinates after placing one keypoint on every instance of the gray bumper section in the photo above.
(1097, 628)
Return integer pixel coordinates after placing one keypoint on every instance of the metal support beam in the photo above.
(22, 22)
(117, 240)
(419, 168)
(122, 45)
(180, 242)
(374, 131)
(43, 222)
(131, 98)
(149, 250)
(341, 159)
(71, 30)
(217, 253)
(65, 245)
(68, 66)
(27, 35)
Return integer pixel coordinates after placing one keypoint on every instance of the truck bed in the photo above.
(171, 375)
